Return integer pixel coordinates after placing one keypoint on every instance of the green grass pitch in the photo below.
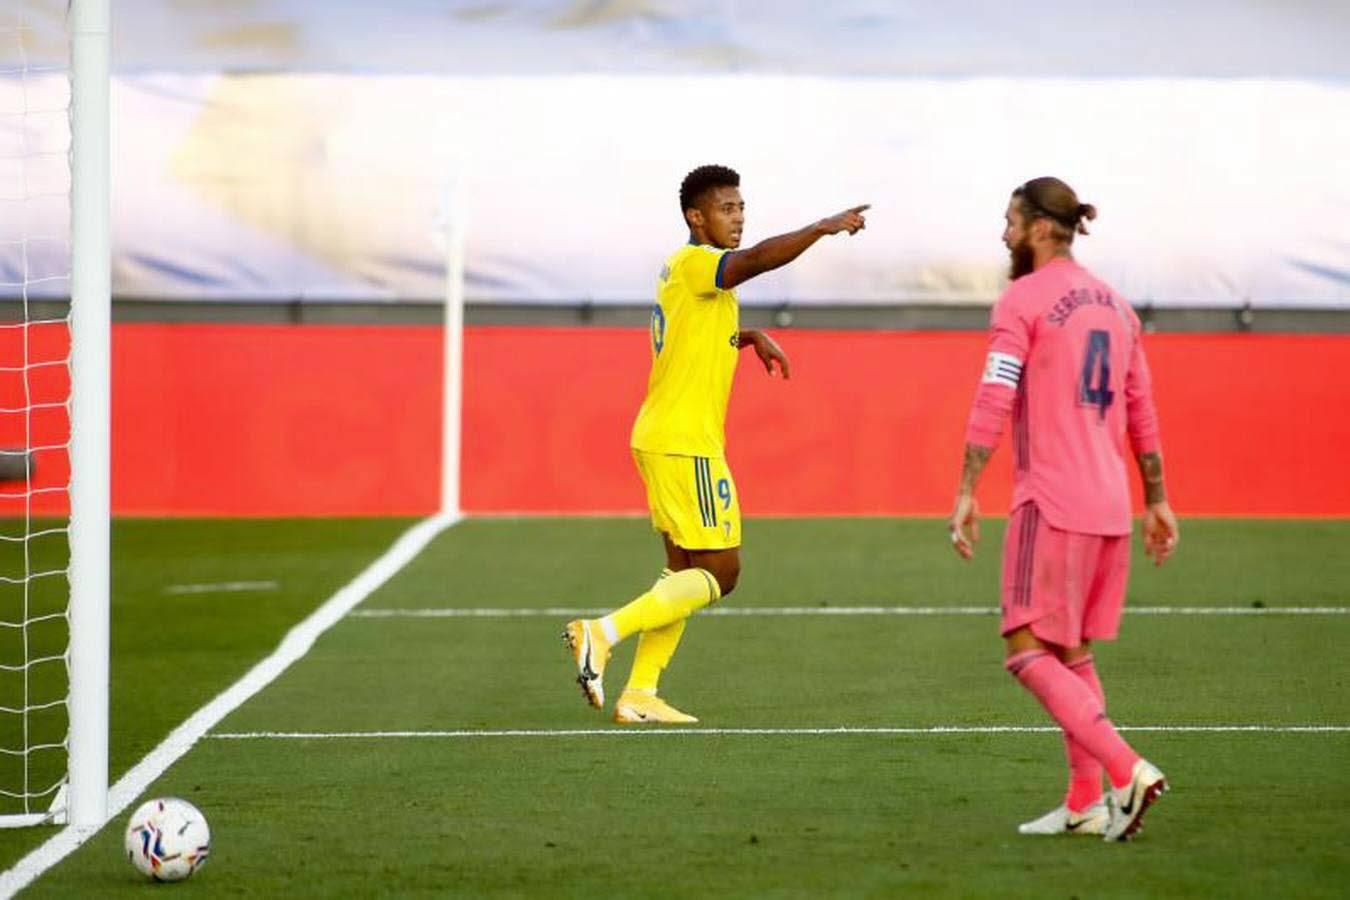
(617, 813)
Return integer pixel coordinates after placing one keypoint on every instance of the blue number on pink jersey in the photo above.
(658, 328)
(1097, 365)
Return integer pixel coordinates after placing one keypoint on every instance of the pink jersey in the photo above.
(1065, 358)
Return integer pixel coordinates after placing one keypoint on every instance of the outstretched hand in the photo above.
(850, 220)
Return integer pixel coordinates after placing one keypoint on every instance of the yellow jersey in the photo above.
(694, 332)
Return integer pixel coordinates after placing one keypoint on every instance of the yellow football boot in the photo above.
(590, 652)
(639, 707)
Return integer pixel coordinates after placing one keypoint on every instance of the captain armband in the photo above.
(1002, 368)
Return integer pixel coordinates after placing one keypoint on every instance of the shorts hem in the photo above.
(1039, 628)
(689, 549)
(1043, 632)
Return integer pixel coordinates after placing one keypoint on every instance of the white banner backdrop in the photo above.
(871, 38)
(275, 187)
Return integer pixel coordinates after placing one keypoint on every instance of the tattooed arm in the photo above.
(967, 511)
(1160, 523)
(976, 457)
(1150, 469)
(1009, 346)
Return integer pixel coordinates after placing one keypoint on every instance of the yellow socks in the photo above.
(659, 614)
(654, 650)
(673, 598)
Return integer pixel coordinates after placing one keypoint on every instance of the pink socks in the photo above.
(1077, 708)
(1085, 773)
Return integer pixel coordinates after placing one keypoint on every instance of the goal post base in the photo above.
(55, 815)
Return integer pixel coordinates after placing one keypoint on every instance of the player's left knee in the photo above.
(722, 565)
(727, 576)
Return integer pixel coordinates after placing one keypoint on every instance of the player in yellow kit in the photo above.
(678, 437)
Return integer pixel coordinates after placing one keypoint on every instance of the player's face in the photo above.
(723, 217)
(1017, 238)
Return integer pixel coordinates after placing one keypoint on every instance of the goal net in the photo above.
(37, 399)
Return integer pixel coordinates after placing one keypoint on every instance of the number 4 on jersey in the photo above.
(1097, 367)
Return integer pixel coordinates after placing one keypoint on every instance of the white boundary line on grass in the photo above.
(223, 587)
(756, 732)
(293, 646)
(567, 612)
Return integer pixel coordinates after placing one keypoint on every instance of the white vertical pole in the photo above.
(453, 340)
(90, 326)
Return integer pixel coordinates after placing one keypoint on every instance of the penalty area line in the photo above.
(572, 612)
(293, 646)
(756, 732)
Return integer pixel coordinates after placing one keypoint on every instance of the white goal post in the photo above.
(56, 200)
(91, 335)
(46, 788)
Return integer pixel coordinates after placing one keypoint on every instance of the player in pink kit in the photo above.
(1065, 359)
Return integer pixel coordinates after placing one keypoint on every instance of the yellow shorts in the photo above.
(692, 499)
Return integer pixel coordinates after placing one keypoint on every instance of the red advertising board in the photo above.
(313, 420)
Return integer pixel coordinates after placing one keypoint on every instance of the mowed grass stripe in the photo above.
(450, 612)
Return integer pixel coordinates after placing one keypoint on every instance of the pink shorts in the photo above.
(1069, 587)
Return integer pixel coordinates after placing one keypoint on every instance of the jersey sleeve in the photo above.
(702, 271)
(1141, 413)
(1009, 343)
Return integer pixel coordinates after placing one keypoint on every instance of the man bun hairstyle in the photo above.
(1050, 198)
(703, 179)
(1085, 211)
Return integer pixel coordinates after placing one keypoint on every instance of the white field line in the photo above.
(223, 587)
(568, 612)
(293, 646)
(758, 732)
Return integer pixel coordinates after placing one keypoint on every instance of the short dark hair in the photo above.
(703, 179)
(1050, 198)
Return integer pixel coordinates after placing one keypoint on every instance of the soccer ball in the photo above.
(167, 839)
